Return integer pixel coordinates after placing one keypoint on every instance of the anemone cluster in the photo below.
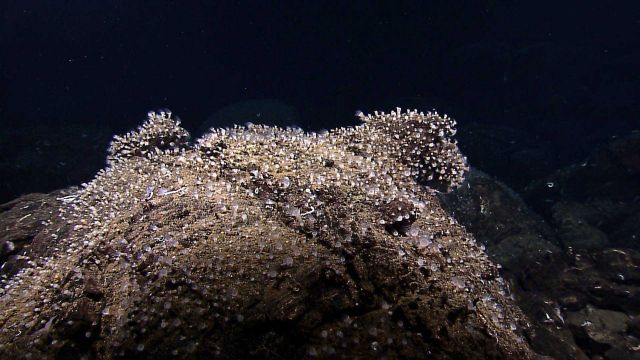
(265, 242)
(160, 133)
(422, 142)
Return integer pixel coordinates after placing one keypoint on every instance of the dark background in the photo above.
(535, 85)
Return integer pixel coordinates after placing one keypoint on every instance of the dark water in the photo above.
(536, 86)
(563, 77)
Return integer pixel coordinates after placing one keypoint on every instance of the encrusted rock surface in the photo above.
(261, 242)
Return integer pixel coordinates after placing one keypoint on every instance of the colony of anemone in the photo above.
(266, 242)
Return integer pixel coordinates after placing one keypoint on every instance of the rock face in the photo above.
(260, 242)
(573, 269)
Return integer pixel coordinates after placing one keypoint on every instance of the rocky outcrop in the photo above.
(262, 242)
(573, 269)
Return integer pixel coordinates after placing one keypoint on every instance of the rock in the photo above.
(23, 224)
(627, 233)
(572, 302)
(594, 203)
(92, 289)
(499, 219)
(623, 353)
(258, 249)
(553, 268)
(556, 343)
(600, 330)
(574, 229)
(621, 265)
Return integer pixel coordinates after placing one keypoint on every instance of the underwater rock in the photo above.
(607, 278)
(574, 229)
(22, 222)
(501, 221)
(528, 252)
(549, 281)
(263, 242)
(602, 329)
